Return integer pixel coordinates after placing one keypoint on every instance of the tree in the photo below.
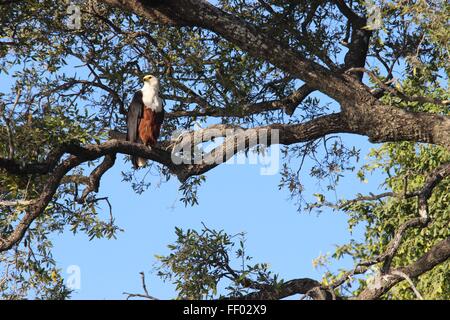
(253, 65)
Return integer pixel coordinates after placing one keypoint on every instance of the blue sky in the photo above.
(235, 198)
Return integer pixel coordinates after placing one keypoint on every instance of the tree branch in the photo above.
(382, 283)
(411, 283)
(398, 93)
(247, 36)
(305, 286)
(38, 207)
(96, 175)
(349, 13)
(145, 295)
(288, 104)
(57, 168)
(13, 203)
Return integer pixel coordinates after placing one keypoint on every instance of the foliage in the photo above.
(201, 262)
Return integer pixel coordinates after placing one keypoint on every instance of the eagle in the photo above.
(145, 117)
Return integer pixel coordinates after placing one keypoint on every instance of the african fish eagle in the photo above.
(145, 116)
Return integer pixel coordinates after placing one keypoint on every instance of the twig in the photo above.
(140, 295)
(398, 93)
(10, 203)
(408, 279)
(96, 175)
(8, 124)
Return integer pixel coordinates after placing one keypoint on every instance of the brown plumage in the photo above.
(150, 126)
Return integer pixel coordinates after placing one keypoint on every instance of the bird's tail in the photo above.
(138, 162)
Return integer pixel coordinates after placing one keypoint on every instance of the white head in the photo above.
(151, 81)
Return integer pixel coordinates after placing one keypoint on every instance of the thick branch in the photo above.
(287, 134)
(297, 286)
(73, 82)
(38, 207)
(57, 169)
(438, 254)
(360, 38)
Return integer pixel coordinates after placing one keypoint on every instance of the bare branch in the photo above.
(411, 283)
(96, 175)
(288, 104)
(14, 203)
(145, 295)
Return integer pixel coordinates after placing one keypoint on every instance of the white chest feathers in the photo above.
(150, 98)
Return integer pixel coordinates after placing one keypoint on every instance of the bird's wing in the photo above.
(134, 116)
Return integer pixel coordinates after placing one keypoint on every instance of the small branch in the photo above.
(13, 203)
(439, 253)
(75, 178)
(408, 279)
(349, 13)
(371, 197)
(96, 175)
(106, 199)
(359, 269)
(393, 246)
(73, 82)
(288, 104)
(7, 121)
(310, 15)
(140, 295)
(398, 93)
(294, 100)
